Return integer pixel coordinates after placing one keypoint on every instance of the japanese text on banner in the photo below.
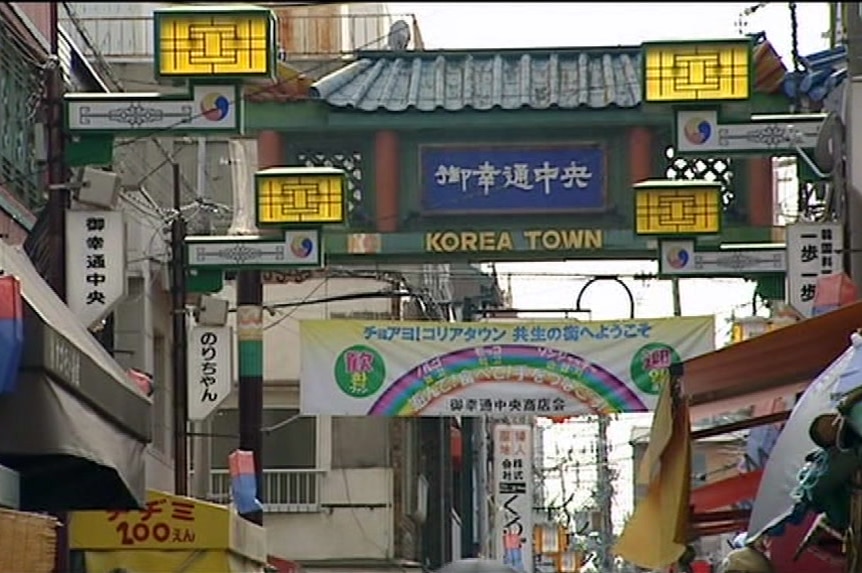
(494, 334)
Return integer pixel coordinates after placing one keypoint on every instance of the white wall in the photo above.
(354, 533)
(141, 319)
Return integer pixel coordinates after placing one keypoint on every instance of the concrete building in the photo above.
(90, 410)
(340, 493)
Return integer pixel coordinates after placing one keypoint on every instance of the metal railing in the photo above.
(300, 36)
(284, 491)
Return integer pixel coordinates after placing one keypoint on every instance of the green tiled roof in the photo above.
(566, 78)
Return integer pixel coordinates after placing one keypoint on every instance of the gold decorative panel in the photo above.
(212, 42)
(677, 208)
(709, 71)
(300, 195)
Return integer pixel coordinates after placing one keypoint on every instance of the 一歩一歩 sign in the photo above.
(558, 178)
(358, 368)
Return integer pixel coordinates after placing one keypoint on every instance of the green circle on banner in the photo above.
(360, 371)
(650, 368)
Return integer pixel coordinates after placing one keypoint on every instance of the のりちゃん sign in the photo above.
(210, 365)
(358, 368)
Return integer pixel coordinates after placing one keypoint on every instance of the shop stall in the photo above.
(172, 534)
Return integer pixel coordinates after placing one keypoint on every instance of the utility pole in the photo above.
(471, 495)
(677, 299)
(202, 449)
(249, 322)
(58, 202)
(58, 196)
(180, 338)
(605, 494)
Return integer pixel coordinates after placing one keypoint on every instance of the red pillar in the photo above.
(270, 149)
(640, 154)
(386, 181)
(760, 192)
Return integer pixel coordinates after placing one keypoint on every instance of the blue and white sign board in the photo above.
(679, 258)
(206, 109)
(702, 132)
(513, 179)
(298, 248)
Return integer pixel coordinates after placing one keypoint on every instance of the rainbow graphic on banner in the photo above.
(583, 378)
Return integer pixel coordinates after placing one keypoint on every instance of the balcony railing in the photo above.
(284, 491)
(300, 36)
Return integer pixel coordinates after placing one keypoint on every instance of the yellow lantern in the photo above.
(677, 208)
(697, 71)
(215, 42)
(300, 196)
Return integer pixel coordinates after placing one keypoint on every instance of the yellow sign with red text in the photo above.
(168, 522)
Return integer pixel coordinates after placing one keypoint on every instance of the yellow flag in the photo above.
(657, 532)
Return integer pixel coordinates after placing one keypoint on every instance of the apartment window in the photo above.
(162, 420)
(293, 446)
(360, 442)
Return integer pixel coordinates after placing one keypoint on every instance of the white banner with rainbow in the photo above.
(357, 368)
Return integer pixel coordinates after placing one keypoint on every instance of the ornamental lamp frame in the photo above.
(695, 46)
(673, 186)
(329, 175)
(221, 12)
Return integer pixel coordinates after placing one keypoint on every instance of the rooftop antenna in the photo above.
(399, 36)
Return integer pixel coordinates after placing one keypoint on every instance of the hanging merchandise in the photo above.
(11, 332)
(243, 482)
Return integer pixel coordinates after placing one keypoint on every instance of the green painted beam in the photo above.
(314, 116)
(539, 243)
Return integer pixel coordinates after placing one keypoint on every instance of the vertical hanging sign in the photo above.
(95, 263)
(513, 495)
(813, 250)
(210, 364)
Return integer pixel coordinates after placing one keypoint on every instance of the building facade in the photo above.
(94, 423)
(360, 481)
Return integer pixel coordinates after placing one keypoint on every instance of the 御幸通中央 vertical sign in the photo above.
(210, 364)
(95, 263)
(813, 250)
(501, 179)
(513, 495)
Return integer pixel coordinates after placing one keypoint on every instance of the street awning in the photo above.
(777, 363)
(726, 492)
(76, 427)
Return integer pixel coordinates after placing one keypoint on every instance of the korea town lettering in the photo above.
(513, 179)
(517, 241)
